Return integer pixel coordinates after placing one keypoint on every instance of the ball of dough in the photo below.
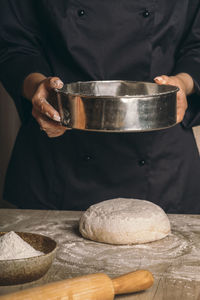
(124, 221)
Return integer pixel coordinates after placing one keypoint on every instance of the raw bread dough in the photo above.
(124, 221)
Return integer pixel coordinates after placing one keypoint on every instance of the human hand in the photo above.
(185, 84)
(47, 117)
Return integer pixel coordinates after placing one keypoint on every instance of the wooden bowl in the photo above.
(18, 271)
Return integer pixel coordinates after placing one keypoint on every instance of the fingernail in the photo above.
(56, 118)
(47, 114)
(42, 100)
(58, 83)
(160, 79)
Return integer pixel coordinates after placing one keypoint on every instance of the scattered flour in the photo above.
(12, 246)
(172, 259)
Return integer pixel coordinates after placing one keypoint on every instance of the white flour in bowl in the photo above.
(12, 246)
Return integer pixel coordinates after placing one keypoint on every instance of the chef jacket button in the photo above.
(142, 162)
(81, 12)
(87, 157)
(146, 13)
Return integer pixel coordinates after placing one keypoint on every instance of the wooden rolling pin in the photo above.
(89, 287)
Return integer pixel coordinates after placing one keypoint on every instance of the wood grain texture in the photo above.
(132, 282)
(89, 287)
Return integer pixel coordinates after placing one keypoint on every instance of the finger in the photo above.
(180, 112)
(53, 131)
(180, 115)
(182, 100)
(53, 83)
(52, 128)
(182, 105)
(42, 105)
(45, 123)
(163, 79)
(56, 134)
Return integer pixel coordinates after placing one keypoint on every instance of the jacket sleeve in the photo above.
(188, 61)
(21, 51)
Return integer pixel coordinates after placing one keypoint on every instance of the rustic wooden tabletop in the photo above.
(174, 261)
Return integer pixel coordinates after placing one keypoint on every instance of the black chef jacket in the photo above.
(101, 40)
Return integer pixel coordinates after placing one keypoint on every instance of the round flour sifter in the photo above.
(116, 106)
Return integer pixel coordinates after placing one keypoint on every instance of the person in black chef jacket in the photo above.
(44, 43)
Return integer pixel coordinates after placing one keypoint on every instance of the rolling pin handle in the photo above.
(133, 282)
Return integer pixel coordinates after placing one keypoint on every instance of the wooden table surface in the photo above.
(174, 261)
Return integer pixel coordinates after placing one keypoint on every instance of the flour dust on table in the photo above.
(174, 258)
(124, 221)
